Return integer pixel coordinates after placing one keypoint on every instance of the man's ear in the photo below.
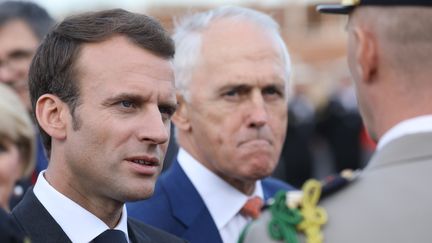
(366, 54)
(51, 115)
(180, 117)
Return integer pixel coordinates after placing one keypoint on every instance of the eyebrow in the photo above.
(139, 99)
(245, 84)
(124, 96)
(235, 86)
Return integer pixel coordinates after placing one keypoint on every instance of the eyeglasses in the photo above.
(17, 59)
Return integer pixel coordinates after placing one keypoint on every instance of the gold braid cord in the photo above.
(313, 217)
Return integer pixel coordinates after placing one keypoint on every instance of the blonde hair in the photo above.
(17, 127)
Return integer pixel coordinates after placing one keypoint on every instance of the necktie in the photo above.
(252, 207)
(110, 236)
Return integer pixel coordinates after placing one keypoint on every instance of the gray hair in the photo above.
(405, 34)
(188, 40)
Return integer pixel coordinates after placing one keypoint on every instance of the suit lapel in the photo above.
(136, 235)
(36, 222)
(188, 206)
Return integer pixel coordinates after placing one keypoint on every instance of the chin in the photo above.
(260, 170)
(140, 194)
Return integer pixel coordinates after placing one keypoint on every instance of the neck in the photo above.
(105, 209)
(245, 186)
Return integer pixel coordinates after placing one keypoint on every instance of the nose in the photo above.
(258, 115)
(153, 128)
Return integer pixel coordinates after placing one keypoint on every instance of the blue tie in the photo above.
(111, 236)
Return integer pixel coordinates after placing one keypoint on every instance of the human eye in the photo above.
(126, 104)
(231, 93)
(273, 92)
(2, 148)
(235, 93)
(167, 111)
(20, 54)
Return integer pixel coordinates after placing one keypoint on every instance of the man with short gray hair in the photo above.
(232, 75)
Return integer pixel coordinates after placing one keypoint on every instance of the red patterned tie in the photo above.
(252, 207)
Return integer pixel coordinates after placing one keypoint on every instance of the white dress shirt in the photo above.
(420, 124)
(80, 225)
(221, 199)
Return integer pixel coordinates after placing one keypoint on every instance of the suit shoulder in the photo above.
(159, 197)
(156, 210)
(9, 232)
(153, 233)
(276, 184)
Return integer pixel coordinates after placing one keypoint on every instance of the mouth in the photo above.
(144, 165)
(144, 162)
(256, 142)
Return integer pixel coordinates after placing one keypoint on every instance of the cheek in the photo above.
(10, 167)
(279, 120)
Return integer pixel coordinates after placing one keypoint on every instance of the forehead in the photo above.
(16, 34)
(233, 38)
(242, 51)
(117, 64)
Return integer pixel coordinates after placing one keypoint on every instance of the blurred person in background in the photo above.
(232, 75)
(17, 149)
(340, 124)
(22, 27)
(17, 144)
(296, 162)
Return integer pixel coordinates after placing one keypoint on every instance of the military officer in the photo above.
(390, 59)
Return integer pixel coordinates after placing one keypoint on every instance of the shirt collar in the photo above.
(79, 224)
(415, 125)
(222, 200)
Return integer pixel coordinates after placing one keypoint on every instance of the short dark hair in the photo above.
(32, 14)
(53, 69)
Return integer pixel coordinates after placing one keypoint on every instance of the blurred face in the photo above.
(10, 170)
(238, 108)
(127, 97)
(17, 46)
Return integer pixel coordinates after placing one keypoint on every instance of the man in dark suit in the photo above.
(102, 91)
(232, 72)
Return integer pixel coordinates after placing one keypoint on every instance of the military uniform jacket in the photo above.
(390, 201)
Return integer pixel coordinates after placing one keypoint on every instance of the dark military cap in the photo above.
(346, 6)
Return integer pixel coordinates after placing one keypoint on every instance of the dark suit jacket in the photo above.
(9, 232)
(177, 207)
(35, 221)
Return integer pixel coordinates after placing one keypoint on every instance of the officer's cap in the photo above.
(346, 6)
